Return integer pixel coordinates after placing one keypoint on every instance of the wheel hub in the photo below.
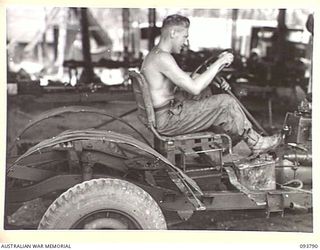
(103, 223)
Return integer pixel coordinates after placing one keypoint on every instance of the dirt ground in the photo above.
(21, 109)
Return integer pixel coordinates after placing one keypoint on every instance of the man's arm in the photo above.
(168, 67)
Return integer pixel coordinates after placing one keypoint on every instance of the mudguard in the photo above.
(93, 135)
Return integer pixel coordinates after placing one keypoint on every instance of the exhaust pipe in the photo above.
(299, 207)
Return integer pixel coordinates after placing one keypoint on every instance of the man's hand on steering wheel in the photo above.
(225, 59)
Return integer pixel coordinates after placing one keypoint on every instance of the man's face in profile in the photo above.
(180, 39)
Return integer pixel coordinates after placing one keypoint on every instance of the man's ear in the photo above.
(172, 33)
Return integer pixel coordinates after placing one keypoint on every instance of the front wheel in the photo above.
(104, 204)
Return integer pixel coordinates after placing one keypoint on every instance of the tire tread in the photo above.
(123, 188)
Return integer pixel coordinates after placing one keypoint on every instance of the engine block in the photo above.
(297, 128)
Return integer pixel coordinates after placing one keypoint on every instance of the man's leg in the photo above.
(221, 111)
(192, 116)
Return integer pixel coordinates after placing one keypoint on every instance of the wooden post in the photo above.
(88, 67)
(126, 32)
(152, 25)
(234, 28)
(280, 46)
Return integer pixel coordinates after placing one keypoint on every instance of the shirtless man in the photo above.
(174, 117)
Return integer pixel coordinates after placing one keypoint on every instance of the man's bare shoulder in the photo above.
(157, 60)
(164, 56)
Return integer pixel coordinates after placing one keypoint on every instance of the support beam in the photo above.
(280, 46)
(234, 29)
(88, 69)
(281, 36)
(126, 32)
(152, 25)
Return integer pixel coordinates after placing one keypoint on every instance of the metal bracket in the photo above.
(185, 214)
(185, 189)
(275, 203)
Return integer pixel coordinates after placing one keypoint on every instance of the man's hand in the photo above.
(225, 59)
(223, 84)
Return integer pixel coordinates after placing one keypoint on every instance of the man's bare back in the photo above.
(161, 88)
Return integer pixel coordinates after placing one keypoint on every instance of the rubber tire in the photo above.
(105, 193)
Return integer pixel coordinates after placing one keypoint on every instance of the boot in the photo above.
(261, 144)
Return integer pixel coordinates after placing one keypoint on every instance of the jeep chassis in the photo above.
(106, 180)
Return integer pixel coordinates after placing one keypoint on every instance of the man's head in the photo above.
(175, 20)
(175, 27)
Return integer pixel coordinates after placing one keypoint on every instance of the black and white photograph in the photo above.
(159, 119)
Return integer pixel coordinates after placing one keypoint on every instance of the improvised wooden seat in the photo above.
(172, 146)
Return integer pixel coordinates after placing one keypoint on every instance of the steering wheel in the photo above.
(208, 62)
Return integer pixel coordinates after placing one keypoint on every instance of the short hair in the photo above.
(175, 20)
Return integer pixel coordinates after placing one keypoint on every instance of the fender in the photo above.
(95, 136)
